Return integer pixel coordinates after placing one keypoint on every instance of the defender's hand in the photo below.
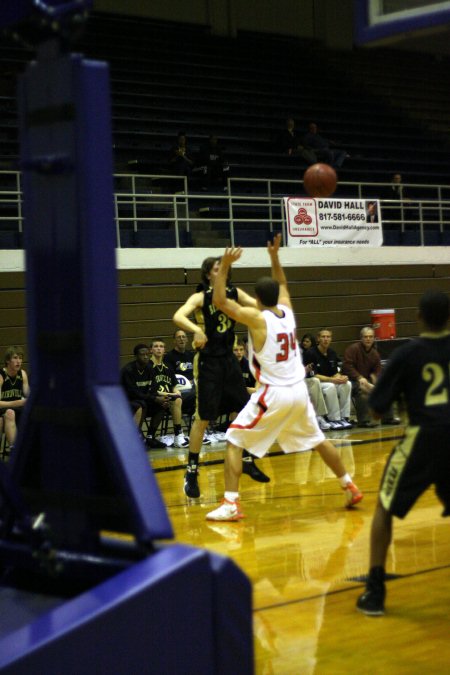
(273, 246)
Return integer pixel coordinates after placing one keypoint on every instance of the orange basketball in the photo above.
(320, 180)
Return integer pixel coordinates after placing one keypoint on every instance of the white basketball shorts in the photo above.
(283, 414)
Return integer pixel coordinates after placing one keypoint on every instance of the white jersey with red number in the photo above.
(278, 362)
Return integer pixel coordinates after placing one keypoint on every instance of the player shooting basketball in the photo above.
(280, 409)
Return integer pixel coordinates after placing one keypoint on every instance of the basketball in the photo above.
(320, 180)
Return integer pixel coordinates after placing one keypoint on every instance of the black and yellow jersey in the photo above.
(12, 387)
(418, 372)
(217, 326)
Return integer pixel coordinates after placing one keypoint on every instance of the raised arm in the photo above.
(182, 320)
(278, 272)
(249, 316)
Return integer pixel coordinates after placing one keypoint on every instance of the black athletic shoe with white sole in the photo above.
(191, 488)
(250, 469)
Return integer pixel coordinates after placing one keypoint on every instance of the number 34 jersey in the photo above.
(418, 372)
(278, 362)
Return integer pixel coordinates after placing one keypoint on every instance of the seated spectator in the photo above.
(289, 143)
(307, 341)
(239, 352)
(362, 364)
(136, 378)
(212, 165)
(324, 149)
(14, 390)
(180, 160)
(336, 388)
(165, 384)
(313, 384)
(181, 360)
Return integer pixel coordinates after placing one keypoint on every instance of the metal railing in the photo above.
(163, 208)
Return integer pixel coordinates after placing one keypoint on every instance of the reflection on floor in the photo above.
(306, 555)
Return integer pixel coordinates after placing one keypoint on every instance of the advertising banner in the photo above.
(333, 222)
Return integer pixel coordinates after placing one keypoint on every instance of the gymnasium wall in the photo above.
(330, 288)
(311, 19)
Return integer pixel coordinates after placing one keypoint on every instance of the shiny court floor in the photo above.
(306, 556)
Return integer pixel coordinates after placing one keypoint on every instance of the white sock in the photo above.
(346, 478)
(231, 496)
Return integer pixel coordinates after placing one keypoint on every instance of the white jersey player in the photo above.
(280, 409)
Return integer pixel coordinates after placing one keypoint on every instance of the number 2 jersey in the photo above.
(278, 362)
(418, 372)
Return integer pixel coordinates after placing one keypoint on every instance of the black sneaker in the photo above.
(154, 444)
(191, 488)
(391, 421)
(371, 602)
(249, 467)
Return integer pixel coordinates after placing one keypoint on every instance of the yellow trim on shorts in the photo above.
(195, 373)
(396, 465)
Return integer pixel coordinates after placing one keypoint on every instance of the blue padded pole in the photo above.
(79, 455)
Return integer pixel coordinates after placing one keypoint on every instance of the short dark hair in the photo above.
(267, 291)
(434, 309)
(138, 348)
(11, 351)
(158, 340)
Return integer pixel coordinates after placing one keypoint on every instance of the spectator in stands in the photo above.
(239, 352)
(313, 384)
(212, 165)
(289, 143)
(180, 160)
(324, 149)
(396, 190)
(136, 378)
(14, 390)
(362, 364)
(165, 384)
(336, 387)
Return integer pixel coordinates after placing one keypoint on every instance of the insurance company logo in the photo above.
(302, 217)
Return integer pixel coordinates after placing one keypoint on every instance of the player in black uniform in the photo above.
(14, 390)
(137, 377)
(220, 386)
(165, 383)
(420, 373)
(181, 360)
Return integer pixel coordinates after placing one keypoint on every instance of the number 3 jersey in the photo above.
(278, 362)
(418, 372)
(217, 326)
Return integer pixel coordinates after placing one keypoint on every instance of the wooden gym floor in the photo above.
(306, 554)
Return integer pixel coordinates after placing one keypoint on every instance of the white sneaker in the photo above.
(180, 441)
(335, 425)
(206, 440)
(323, 424)
(226, 511)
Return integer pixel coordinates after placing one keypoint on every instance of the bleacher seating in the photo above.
(342, 297)
(167, 76)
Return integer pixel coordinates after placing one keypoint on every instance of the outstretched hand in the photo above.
(231, 255)
(273, 246)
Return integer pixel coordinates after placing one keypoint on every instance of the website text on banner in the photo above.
(333, 222)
